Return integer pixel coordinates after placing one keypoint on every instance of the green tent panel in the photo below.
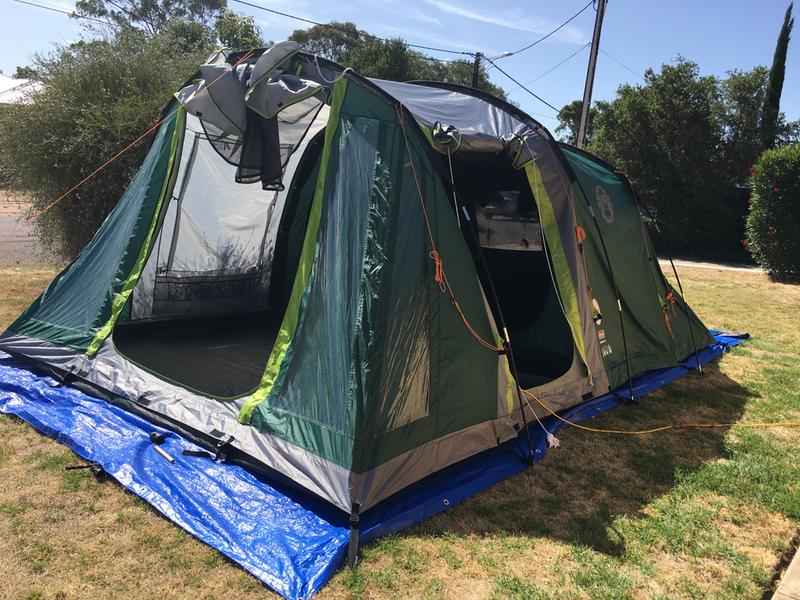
(608, 212)
(81, 299)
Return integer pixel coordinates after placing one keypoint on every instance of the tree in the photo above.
(460, 72)
(392, 59)
(772, 100)
(666, 134)
(569, 119)
(330, 41)
(25, 73)
(238, 32)
(742, 97)
(688, 141)
(98, 95)
(154, 16)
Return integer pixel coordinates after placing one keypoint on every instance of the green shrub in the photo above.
(773, 224)
(98, 96)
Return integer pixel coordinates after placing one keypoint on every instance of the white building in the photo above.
(15, 91)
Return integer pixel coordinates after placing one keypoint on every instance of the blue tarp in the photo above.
(290, 541)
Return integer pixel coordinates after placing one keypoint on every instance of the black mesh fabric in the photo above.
(263, 151)
(261, 156)
(227, 146)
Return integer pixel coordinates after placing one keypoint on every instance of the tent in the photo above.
(351, 284)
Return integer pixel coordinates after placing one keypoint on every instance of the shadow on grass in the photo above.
(575, 493)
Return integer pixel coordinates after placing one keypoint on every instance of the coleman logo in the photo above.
(604, 204)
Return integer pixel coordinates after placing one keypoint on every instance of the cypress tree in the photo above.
(772, 100)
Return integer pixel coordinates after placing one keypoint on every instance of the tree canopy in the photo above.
(688, 141)
(569, 120)
(98, 96)
(154, 16)
(392, 59)
(772, 98)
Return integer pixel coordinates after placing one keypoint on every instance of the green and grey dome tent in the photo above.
(321, 273)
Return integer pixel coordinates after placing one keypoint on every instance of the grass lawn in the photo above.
(679, 514)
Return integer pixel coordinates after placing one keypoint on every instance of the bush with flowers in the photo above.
(773, 222)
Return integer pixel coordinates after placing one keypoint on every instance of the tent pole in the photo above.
(688, 318)
(608, 262)
(501, 322)
(651, 258)
(674, 272)
(352, 542)
(619, 301)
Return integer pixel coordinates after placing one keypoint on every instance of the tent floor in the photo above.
(532, 380)
(221, 357)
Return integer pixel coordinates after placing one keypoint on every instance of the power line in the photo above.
(65, 12)
(554, 67)
(544, 37)
(623, 65)
(347, 31)
(539, 98)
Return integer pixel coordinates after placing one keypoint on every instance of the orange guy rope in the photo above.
(654, 429)
(440, 276)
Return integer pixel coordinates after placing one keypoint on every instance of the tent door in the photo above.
(505, 222)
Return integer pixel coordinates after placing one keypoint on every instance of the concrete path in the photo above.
(789, 587)
(698, 264)
(18, 243)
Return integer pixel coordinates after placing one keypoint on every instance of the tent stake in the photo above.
(352, 543)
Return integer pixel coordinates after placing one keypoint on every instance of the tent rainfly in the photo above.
(409, 268)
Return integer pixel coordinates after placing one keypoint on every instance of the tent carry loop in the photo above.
(670, 297)
(444, 285)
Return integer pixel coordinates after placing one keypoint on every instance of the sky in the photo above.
(720, 35)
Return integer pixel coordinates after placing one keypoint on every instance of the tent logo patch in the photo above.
(604, 204)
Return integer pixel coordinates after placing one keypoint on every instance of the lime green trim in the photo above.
(509, 378)
(563, 274)
(428, 133)
(133, 278)
(303, 277)
(509, 394)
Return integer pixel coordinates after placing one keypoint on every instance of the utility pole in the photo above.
(587, 89)
(476, 69)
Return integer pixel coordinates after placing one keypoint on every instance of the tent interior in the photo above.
(221, 274)
(505, 219)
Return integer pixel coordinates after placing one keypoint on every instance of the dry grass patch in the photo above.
(18, 287)
(683, 514)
